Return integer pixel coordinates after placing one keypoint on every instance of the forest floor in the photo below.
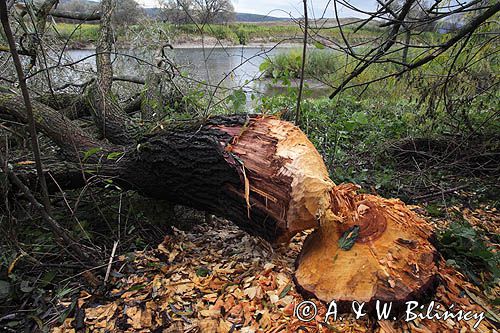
(217, 278)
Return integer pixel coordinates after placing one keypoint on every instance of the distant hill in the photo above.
(239, 17)
(85, 2)
(152, 12)
(247, 17)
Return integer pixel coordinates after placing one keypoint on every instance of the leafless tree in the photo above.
(176, 11)
(201, 11)
(127, 12)
(213, 11)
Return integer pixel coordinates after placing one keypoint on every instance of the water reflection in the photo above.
(230, 68)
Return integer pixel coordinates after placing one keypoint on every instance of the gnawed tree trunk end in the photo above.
(283, 174)
(368, 249)
(260, 172)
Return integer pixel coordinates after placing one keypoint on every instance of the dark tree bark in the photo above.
(69, 137)
(208, 165)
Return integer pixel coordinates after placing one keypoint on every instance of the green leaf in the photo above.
(264, 65)
(91, 152)
(318, 45)
(136, 287)
(285, 290)
(47, 278)
(63, 292)
(202, 271)
(115, 155)
(346, 242)
(360, 118)
(349, 125)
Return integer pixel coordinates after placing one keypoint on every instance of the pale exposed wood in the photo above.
(286, 173)
(392, 259)
(265, 175)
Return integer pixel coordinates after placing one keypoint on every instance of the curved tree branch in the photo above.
(61, 130)
(463, 32)
(95, 16)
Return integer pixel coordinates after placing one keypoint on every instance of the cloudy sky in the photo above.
(283, 8)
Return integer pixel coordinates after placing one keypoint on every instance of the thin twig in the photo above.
(304, 50)
(108, 270)
(436, 194)
(27, 101)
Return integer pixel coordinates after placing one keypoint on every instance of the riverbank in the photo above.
(189, 35)
(198, 43)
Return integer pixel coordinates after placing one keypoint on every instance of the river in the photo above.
(233, 67)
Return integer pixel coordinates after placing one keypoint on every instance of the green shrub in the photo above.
(319, 64)
(464, 248)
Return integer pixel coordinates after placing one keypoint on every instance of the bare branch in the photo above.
(27, 102)
(94, 16)
(304, 49)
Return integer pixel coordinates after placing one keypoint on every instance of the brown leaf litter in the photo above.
(217, 278)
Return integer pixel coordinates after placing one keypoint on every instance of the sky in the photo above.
(283, 8)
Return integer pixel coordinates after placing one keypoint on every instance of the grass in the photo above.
(244, 33)
(319, 64)
(84, 33)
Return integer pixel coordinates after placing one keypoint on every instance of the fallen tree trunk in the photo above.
(260, 172)
(266, 176)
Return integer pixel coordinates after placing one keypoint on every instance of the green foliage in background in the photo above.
(319, 64)
(444, 104)
(464, 248)
(349, 133)
(84, 33)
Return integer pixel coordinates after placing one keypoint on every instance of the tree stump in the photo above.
(368, 249)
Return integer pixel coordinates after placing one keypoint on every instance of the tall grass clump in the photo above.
(319, 64)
